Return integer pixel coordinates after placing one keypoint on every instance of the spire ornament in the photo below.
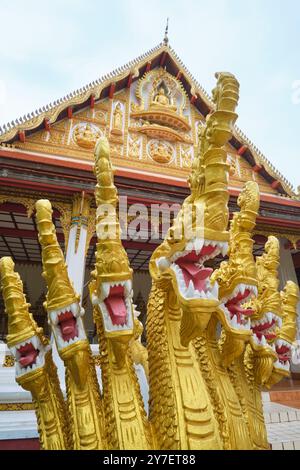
(166, 37)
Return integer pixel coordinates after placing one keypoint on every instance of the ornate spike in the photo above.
(60, 291)
(21, 325)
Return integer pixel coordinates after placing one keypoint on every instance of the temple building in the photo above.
(151, 110)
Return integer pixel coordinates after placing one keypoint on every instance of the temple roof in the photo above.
(162, 55)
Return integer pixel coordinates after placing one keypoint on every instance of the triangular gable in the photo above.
(59, 128)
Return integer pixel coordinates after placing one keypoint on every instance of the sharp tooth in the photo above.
(198, 245)
(190, 246)
(269, 317)
(74, 309)
(215, 290)
(242, 289)
(104, 291)
(128, 287)
(54, 317)
(190, 289)
(263, 341)
(248, 324)
(224, 248)
(234, 321)
(35, 342)
(162, 264)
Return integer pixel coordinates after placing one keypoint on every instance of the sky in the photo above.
(49, 48)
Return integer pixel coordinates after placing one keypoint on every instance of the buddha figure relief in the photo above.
(160, 152)
(118, 118)
(86, 136)
(162, 98)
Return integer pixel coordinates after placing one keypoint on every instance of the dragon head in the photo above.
(26, 341)
(236, 277)
(283, 344)
(111, 286)
(62, 303)
(266, 317)
(199, 232)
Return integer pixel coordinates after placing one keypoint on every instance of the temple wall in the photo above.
(287, 272)
(31, 275)
(142, 284)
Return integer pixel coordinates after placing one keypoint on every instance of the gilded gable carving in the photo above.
(151, 126)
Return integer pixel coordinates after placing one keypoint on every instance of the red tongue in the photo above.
(282, 351)
(116, 306)
(68, 327)
(195, 273)
(28, 359)
(237, 309)
(268, 336)
(28, 355)
(283, 357)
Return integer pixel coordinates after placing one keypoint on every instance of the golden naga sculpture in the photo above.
(182, 300)
(35, 369)
(111, 293)
(214, 339)
(287, 333)
(238, 287)
(236, 279)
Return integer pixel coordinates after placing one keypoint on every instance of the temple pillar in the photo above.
(75, 260)
(287, 272)
(76, 249)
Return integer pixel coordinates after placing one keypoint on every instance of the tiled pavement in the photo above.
(283, 425)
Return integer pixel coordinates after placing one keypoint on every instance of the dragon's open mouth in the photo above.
(30, 355)
(193, 278)
(284, 351)
(115, 303)
(67, 324)
(238, 315)
(265, 329)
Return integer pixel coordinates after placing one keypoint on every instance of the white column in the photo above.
(75, 260)
(287, 269)
(287, 272)
(76, 249)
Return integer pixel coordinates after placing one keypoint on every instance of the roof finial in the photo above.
(166, 38)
